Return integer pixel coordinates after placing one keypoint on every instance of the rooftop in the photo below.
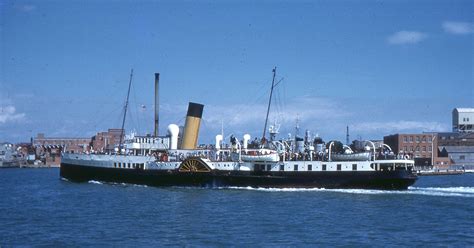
(464, 110)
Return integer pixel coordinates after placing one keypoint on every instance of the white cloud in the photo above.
(399, 126)
(458, 27)
(406, 37)
(8, 113)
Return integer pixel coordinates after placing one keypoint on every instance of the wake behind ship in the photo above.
(175, 160)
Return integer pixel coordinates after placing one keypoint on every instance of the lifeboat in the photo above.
(363, 156)
(256, 155)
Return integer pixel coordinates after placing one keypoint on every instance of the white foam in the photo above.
(95, 182)
(117, 184)
(275, 189)
(464, 190)
(449, 191)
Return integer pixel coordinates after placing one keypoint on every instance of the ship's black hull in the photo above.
(399, 179)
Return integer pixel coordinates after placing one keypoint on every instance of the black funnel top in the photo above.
(195, 110)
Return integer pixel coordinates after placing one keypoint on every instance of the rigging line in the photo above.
(281, 99)
(101, 111)
(137, 109)
(131, 120)
(249, 106)
(253, 99)
(104, 117)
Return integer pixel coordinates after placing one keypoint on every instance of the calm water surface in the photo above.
(39, 209)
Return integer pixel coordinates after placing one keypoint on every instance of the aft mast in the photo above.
(268, 108)
(125, 114)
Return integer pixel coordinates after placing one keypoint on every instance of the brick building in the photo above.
(420, 147)
(48, 149)
(105, 142)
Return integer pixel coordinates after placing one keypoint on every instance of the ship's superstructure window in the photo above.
(324, 167)
(282, 167)
(310, 167)
(269, 167)
(354, 167)
(295, 167)
(338, 167)
(115, 164)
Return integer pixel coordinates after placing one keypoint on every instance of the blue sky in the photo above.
(380, 67)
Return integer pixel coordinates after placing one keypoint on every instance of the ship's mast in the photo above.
(125, 113)
(269, 103)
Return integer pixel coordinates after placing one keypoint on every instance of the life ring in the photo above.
(406, 157)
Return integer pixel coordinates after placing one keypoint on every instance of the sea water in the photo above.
(38, 208)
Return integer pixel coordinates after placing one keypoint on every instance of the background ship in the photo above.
(175, 160)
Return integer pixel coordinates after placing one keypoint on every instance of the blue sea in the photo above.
(37, 208)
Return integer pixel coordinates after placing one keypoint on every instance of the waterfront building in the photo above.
(440, 150)
(458, 147)
(106, 142)
(48, 149)
(463, 120)
(420, 146)
(461, 156)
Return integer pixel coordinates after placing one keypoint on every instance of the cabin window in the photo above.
(295, 167)
(324, 167)
(338, 167)
(269, 167)
(310, 167)
(354, 167)
(115, 165)
(282, 167)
